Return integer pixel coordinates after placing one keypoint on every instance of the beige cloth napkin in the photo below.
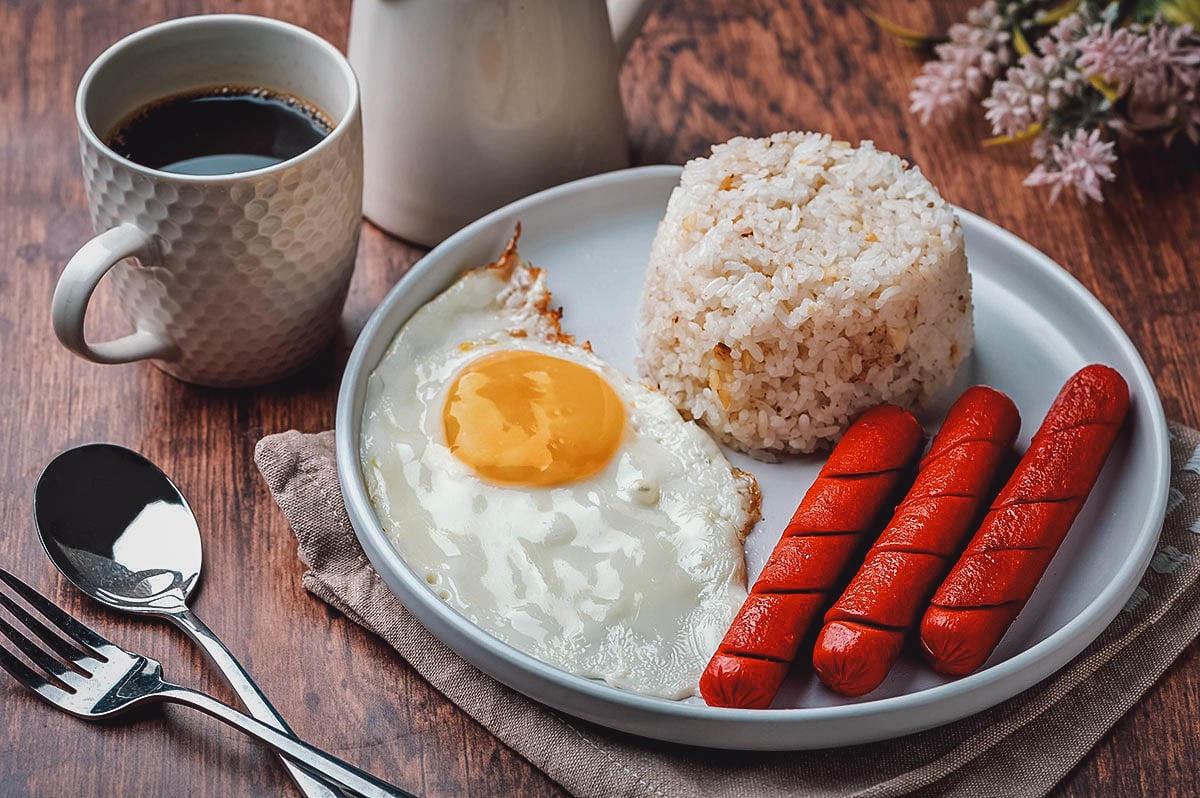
(1021, 747)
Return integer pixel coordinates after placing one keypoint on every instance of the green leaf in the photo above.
(1020, 43)
(1027, 134)
(1110, 90)
(1181, 12)
(907, 36)
(1140, 10)
(1057, 13)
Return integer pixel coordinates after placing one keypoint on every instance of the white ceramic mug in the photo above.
(470, 104)
(228, 280)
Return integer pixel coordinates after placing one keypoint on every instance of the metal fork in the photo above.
(101, 680)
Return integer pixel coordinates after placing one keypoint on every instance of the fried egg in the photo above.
(561, 507)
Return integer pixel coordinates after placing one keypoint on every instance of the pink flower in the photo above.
(1040, 83)
(1021, 97)
(941, 90)
(1062, 39)
(1112, 55)
(974, 55)
(1085, 76)
(1156, 67)
(1080, 161)
(1176, 51)
(1163, 93)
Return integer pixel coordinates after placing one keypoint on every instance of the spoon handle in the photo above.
(358, 781)
(252, 698)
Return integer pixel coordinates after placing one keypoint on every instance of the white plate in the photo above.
(1035, 326)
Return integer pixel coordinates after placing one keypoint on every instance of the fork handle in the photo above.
(252, 698)
(303, 754)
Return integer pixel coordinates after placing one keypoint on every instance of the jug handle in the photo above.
(626, 18)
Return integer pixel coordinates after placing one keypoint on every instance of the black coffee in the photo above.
(219, 131)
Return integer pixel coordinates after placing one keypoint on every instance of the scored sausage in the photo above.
(851, 496)
(1026, 524)
(865, 628)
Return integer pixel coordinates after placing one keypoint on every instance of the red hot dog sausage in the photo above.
(848, 500)
(1025, 525)
(865, 629)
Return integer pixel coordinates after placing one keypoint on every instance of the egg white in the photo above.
(631, 575)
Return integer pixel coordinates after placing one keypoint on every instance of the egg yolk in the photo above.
(525, 418)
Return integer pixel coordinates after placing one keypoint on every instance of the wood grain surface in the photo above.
(701, 72)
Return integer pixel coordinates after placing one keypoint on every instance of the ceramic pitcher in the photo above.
(469, 104)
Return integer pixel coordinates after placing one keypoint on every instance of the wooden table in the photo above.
(701, 72)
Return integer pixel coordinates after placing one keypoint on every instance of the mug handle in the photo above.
(76, 285)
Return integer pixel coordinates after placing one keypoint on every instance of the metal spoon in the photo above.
(120, 530)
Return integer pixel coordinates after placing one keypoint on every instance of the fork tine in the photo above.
(71, 627)
(38, 656)
(21, 672)
(49, 637)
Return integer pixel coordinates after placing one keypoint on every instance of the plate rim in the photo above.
(999, 682)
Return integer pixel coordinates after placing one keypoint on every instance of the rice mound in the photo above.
(796, 281)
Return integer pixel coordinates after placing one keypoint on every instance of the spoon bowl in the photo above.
(119, 529)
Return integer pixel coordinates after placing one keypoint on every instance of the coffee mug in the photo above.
(228, 280)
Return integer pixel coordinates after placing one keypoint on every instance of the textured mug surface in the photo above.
(241, 276)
